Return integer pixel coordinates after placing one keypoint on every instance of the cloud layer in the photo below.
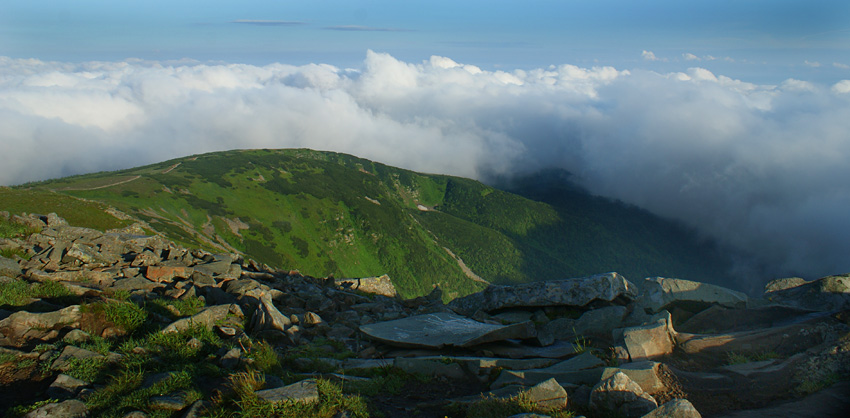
(764, 168)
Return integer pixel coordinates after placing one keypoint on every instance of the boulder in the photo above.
(660, 293)
(548, 394)
(63, 364)
(831, 293)
(381, 285)
(9, 267)
(65, 386)
(619, 394)
(267, 316)
(208, 318)
(22, 328)
(676, 408)
(443, 329)
(648, 341)
(168, 273)
(647, 374)
(305, 391)
(784, 283)
(600, 321)
(67, 409)
(578, 292)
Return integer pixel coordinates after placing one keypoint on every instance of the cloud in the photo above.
(690, 57)
(648, 55)
(840, 65)
(757, 167)
(813, 64)
(268, 22)
(357, 28)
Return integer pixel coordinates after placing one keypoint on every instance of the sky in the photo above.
(732, 117)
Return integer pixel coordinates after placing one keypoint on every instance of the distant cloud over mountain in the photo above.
(761, 167)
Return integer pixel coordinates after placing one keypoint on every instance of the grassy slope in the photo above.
(327, 213)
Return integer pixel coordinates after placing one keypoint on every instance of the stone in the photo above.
(267, 316)
(9, 267)
(196, 410)
(67, 409)
(76, 336)
(831, 293)
(647, 374)
(600, 322)
(168, 402)
(87, 255)
(22, 328)
(782, 284)
(135, 283)
(648, 341)
(619, 394)
(65, 386)
(208, 318)
(63, 364)
(676, 408)
(443, 367)
(168, 273)
(548, 394)
(381, 285)
(145, 258)
(660, 293)
(312, 319)
(584, 368)
(443, 329)
(231, 359)
(305, 391)
(577, 292)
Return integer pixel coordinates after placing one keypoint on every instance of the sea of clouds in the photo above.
(760, 167)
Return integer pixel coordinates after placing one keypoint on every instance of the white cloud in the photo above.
(813, 64)
(757, 167)
(840, 65)
(690, 57)
(648, 56)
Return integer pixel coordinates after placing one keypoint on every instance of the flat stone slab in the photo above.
(568, 292)
(305, 391)
(515, 350)
(443, 329)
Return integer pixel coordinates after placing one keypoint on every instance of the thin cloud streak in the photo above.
(268, 22)
(357, 28)
(757, 167)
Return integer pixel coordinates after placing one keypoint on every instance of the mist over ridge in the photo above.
(757, 167)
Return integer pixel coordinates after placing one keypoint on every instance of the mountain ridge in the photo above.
(327, 213)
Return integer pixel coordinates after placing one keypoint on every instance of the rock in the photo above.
(87, 255)
(619, 394)
(649, 341)
(548, 394)
(195, 411)
(231, 359)
(443, 329)
(782, 284)
(831, 293)
(168, 273)
(67, 409)
(660, 293)
(22, 328)
(647, 374)
(135, 283)
(168, 402)
(557, 329)
(65, 386)
(62, 363)
(579, 292)
(55, 220)
(9, 267)
(382, 285)
(677, 408)
(582, 369)
(443, 367)
(215, 268)
(145, 258)
(833, 402)
(267, 316)
(76, 336)
(600, 322)
(305, 391)
(209, 317)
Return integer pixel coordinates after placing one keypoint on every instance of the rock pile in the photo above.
(599, 345)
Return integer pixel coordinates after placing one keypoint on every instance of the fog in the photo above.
(764, 168)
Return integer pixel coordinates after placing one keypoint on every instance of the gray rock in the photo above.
(231, 359)
(647, 374)
(659, 293)
(600, 321)
(21, 328)
(268, 317)
(431, 367)
(382, 285)
(9, 267)
(65, 386)
(619, 394)
(215, 268)
(196, 410)
(548, 394)
(67, 409)
(443, 329)
(209, 317)
(135, 283)
(569, 292)
(649, 341)
(784, 283)
(62, 363)
(676, 408)
(168, 402)
(305, 391)
(831, 293)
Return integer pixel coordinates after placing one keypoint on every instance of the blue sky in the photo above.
(757, 40)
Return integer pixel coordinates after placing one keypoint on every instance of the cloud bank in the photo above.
(763, 168)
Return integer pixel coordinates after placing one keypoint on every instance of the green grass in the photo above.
(19, 292)
(75, 211)
(499, 408)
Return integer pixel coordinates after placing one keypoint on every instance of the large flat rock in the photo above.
(576, 292)
(660, 293)
(443, 329)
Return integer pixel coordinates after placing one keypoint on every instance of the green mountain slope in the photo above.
(326, 213)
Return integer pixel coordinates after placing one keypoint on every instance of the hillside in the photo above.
(333, 214)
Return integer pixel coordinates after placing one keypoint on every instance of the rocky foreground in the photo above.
(126, 325)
